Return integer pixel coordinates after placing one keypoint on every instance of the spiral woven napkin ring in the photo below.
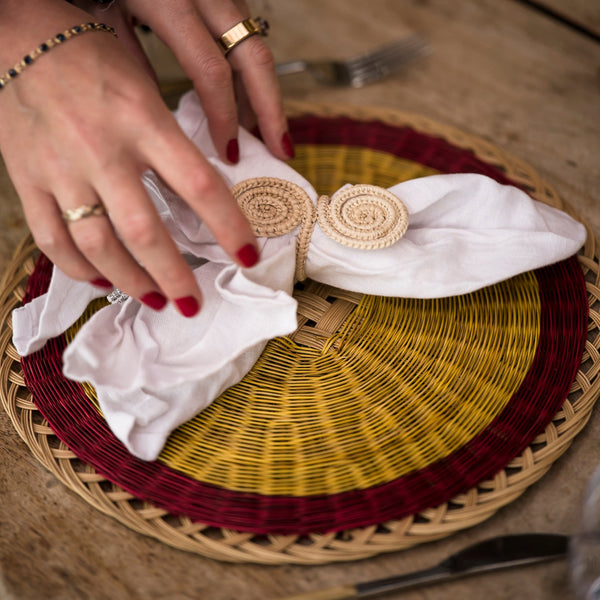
(366, 217)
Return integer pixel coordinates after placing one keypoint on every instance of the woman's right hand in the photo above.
(80, 126)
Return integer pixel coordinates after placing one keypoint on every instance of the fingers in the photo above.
(253, 61)
(191, 28)
(144, 236)
(186, 171)
(130, 247)
(96, 143)
(86, 249)
(53, 239)
(181, 27)
(101, 250)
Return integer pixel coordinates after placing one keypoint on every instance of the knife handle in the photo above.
(342, 592)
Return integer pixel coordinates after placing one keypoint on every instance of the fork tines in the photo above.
(372, 66)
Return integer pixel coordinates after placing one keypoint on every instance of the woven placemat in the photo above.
(414, 156)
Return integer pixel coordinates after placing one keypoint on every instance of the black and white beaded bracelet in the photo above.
(58, 39)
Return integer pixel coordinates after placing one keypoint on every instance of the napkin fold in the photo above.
(153, 371)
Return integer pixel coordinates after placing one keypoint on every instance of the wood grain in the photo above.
(497, 70)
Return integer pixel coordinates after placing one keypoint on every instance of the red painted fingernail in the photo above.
(288, 146)
(233, 151)
(154, 300)
(187, 306)
(248, 255)
(101, 282)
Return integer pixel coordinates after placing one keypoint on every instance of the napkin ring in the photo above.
(365, 217)
(242, 31)
(83, 212)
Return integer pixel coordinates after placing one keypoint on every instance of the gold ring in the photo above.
(243, 30)
(82, 212)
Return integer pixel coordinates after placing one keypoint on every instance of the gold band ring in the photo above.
(243, 30)
(82, 212)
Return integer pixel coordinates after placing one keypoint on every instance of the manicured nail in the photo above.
(288, 146)
(248, 255)
(187, 306)
(154, 300)
(101, 282)
(233, 151)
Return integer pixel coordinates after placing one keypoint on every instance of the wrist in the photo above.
(25, 24)
(50, 43)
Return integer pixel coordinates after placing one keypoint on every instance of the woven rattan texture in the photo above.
(297, 425)
(368, 368)
(366, 403)
(465, 510)
(359, 216)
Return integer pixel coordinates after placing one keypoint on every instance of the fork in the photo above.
(362, 69)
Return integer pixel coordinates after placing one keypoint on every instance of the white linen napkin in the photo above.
(155, 370)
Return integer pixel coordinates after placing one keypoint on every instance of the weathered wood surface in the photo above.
(497, 70)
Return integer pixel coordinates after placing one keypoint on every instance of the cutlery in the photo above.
(364, 68)
(356, 72)
(490, 555)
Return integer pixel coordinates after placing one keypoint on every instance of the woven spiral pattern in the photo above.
(272, 206)
(359, 216)
(337, 145)
(363, 216)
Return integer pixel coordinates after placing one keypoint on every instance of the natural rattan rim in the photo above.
(463, 511)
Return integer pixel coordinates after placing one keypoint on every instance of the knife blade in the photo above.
(490, 555)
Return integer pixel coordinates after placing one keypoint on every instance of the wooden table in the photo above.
(500, 70)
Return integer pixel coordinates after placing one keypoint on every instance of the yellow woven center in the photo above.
(407, 383)
(401, 384)
(329, 167)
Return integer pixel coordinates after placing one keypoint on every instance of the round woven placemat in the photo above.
(461, 511)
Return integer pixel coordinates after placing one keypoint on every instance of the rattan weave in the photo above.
(407, 404)
(463, 510)
(359, 216)
(367, 399)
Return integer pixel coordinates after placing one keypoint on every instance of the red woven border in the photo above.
(404, 142)
(563, 326)
(563, 330)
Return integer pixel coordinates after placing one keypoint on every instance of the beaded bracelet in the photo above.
(58, 39)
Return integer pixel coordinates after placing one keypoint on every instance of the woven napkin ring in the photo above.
(58, 39)
(366, 217)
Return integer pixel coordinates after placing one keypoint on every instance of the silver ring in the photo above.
(83, 212)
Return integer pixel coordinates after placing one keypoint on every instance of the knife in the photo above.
(490, 555)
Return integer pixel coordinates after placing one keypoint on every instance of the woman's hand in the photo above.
(84, 121)
(189, 28)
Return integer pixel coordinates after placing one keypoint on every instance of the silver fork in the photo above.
(364, 68)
